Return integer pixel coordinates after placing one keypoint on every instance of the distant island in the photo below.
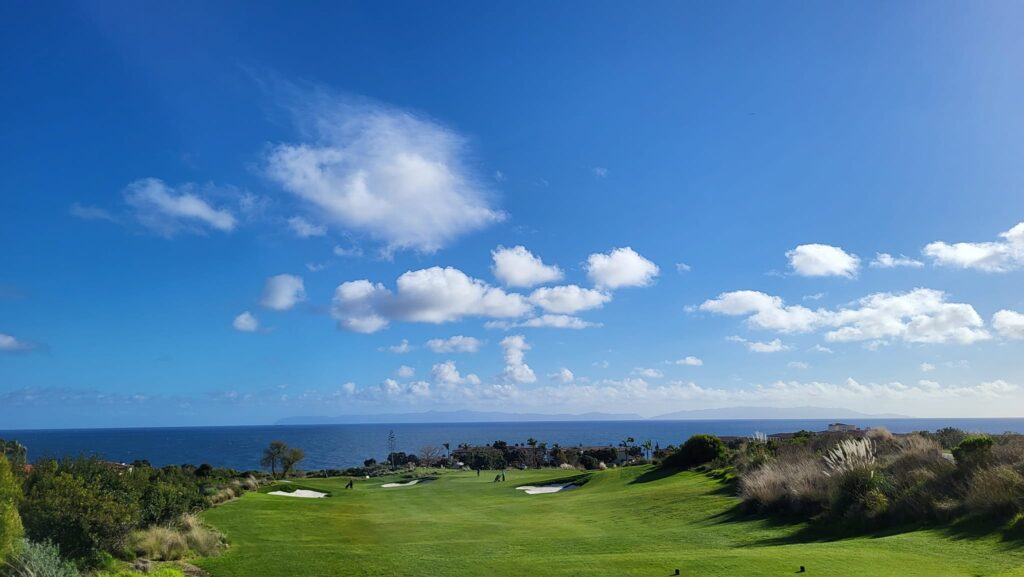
(725, 413)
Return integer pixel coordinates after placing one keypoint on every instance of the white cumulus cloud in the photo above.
(283, 291)
(823, 260)
(433, 295)
(690, 362)
(516, 369)
(400, 178)
(568, 299)
(562, 375)
(622, 267)
(246, 323)
(772, 346)
(544, 321)
(998, 256)
(518, 267)
(1009, 324)
(919, 316)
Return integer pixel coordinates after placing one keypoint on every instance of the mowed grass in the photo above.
(623, 522)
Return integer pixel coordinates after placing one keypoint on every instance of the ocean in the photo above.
(340, 446)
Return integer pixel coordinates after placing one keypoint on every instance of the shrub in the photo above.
(996, 490)
(40, 560)
(973, 452)
(159, 544)
(697, 450)
(82, 506)
(589, 462)
(11, 530)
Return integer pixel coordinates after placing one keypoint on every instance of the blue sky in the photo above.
(232, 213)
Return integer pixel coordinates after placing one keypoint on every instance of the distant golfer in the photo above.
(351, 483)
(503, 476)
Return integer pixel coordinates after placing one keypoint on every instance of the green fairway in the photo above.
(624, 521)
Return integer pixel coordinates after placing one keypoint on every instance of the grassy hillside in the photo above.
(623, 522)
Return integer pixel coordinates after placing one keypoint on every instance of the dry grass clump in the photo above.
(786, 485)
(159, 543)
(188, 537)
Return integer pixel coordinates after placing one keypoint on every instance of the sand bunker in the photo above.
(531, 490)
(406, 484)
(304, 493)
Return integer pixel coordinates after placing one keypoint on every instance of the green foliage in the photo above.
(158, 572)
(40, 560)
(697, 450)
(11, 529)
(973, 451)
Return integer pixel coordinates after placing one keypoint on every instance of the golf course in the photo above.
(626, 521)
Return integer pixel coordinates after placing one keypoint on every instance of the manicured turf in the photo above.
(622, 522)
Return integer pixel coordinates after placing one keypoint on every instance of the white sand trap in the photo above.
(406, 484)
(531, 490)
(304, 493)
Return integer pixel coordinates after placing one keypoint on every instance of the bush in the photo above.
(11, 530)
(997, 490)
(973, 452)
(589, 462)
(697, 450)
(201, 539)
(40, 560)
(81, 506)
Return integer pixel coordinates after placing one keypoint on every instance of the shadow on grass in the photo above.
(817, 529)
(656, 474)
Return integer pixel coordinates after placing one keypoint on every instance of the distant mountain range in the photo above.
(772, 413)
(493, 417)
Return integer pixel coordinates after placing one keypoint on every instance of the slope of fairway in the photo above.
(621, 522)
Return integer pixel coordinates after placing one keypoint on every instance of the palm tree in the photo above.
(273, 455)
(648, 446)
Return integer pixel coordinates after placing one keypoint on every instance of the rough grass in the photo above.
(626, 522)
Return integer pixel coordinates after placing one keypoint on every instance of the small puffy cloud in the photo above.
(821, 349)
(568, 299)
(282, 292)
(347, 251)
(401, 348)
(403, 179)
(886, 260)
(622, 267)
(919, 316)
(10, 344)
(305, 229)
(772, 346)
(246, 323)
(927, 367)
(648, 373)
(455, 344)
(405, 372)
(518, 267)
(599, 171)
(1009, 324)
(544, 321)
(690, 362)
(682, 267)
(798, 365)
(562, 375)
(998, 256)
(168, 211)
(85, 212)
(822, 260)
(434, 295)
(516, 369)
